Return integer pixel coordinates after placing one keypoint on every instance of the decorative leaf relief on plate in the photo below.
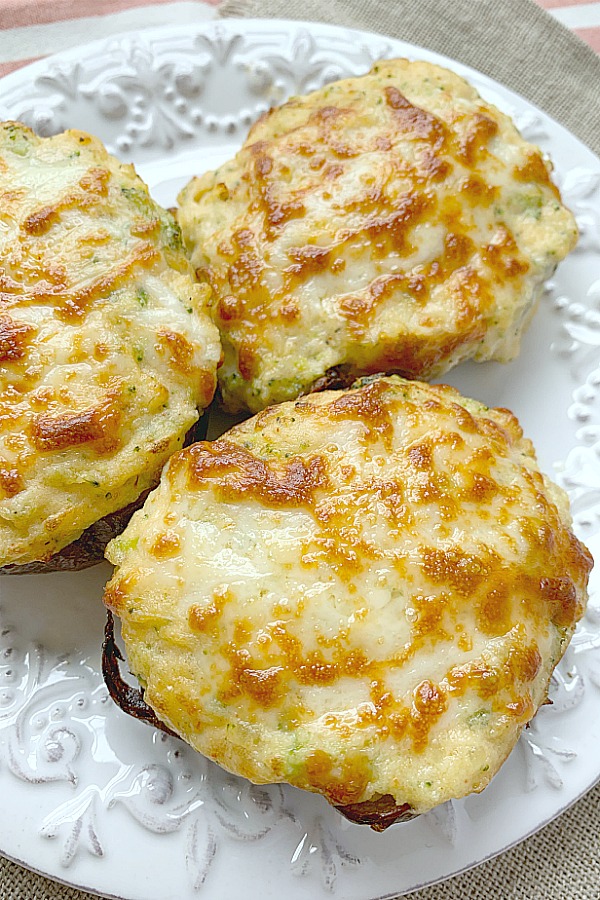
(156, 94)
(75, 823)
(578, 342)
(580, 190)
(544, 756)
(14, 668)
(57, 726)
(321, 852)
(544, 752)
(442, 820)
(306, 65)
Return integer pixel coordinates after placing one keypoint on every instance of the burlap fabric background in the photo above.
(520, 45)
(513, 41)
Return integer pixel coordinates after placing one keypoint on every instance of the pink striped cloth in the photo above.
(28, 26)
(580, 16)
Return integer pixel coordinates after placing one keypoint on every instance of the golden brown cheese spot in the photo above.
(93, 185)
(290, 311)
(485, 680)
(206, 382)
(413, 121)
(247, 358)
(237, 474)
(521, 709)
(328, 114)
(359, 308)
(118, 592)
(41, 220)
(145, 227)
(313, 668)
(98, 426)
(480, 488)
(524, 663)
(71, 305)
(317, 671)
(429, 623)
(307, 261)
(474, 141)
(341, 781)
(367, 406)
(434, 166)
(245, 272)
(421, 456)
(277, 212)
(477, 192)
(14, 338)
(166, 545)
(503, 257)
(204, 617)
(263, 685)
(495, 610)
(561, 596)
(429, 704)
(390, 232)
(390, 493)
(96, 181)
(534, 170)
(200, 618)
(229, 308)
(463, 571)
(179, 349)
(263, 165)
(473, 297)
(11, 481)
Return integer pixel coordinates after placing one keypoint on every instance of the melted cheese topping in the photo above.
(106, 347)
(394, 222)
(361, 593)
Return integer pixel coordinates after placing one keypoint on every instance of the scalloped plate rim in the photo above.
(40, 67)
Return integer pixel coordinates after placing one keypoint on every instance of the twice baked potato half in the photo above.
(107, 352)
(394, 222)
(363, 593)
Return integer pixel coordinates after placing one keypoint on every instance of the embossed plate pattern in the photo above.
(97, 800)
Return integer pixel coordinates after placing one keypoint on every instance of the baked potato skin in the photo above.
(107, 351)
(362, 593)
(394, 222)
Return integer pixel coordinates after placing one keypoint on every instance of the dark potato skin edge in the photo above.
(88, 550)
(378, 813)
(336, 378)
(129, 699)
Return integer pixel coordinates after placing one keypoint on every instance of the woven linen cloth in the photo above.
(513, 41)
(518, 44)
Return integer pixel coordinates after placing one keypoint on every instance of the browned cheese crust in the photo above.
(393, 222)
(107, 351)
(362, 593)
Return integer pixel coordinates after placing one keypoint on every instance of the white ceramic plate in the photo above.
(97, 800)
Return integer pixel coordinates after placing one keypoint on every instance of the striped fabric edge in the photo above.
(581, 16)
(17, 42)
(19, 13)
